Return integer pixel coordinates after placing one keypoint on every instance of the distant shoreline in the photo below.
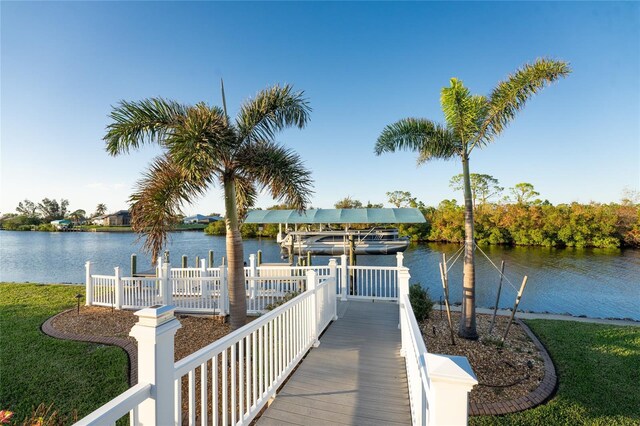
(114, 229)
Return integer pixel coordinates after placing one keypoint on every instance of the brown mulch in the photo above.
(196, 332)
(505, 372)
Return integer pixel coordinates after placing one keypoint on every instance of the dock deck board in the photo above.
(355, 377)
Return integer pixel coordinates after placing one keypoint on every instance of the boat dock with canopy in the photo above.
(302, 239)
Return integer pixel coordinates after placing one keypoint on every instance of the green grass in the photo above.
(35, 368)
(599, 376)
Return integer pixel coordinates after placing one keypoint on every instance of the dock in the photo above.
(355, 377)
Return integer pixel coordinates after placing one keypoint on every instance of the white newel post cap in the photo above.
(452, 378)
(154, 316)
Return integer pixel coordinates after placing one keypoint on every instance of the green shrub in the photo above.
(216, 228)
(420, 302)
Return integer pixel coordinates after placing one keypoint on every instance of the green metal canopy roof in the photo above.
(336, 216)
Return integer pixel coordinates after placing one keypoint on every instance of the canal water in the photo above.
(593, 282)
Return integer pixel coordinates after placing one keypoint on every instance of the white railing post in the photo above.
(222, 301)
(403, 289)
(166, 284)
(344, 276)
(399, 259)
(253, 272)
(312, 283)
(88, 296)
(119, 289)
(155, 331)
(204, 283)
(333, 277)
(451, 380)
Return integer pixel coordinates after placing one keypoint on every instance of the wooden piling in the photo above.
(184, 261)
(210, 258)
(134, 265)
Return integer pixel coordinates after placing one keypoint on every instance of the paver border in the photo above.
(541, 394)
(129, 347)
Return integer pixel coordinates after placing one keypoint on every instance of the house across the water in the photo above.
(119, 218)
(61, 224)
(201, 219)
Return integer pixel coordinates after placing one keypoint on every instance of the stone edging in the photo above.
(129, 347)
(541, 394)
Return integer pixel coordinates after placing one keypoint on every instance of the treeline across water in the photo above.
(562, 225)
(535, 223)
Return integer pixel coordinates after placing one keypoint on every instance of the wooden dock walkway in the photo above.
(355, 377)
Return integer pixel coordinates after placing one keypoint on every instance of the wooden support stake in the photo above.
(515, 307)
(495, 309)
(445, 286)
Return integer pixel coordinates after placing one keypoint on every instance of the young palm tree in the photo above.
(203, 148)
(471, 121)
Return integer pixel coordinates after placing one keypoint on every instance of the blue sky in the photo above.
(362, 66)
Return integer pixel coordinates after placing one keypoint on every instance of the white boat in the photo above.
(335, 243)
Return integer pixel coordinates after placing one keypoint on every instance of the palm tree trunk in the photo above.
(467, 328)
(235, 256)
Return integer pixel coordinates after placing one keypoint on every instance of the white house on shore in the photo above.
(201, 219)
(119, 218)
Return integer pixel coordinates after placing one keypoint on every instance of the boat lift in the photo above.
(353, 240)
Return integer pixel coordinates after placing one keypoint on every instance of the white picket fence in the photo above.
(205, 290)
(232, 379)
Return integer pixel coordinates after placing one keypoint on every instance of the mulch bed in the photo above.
(505, 372)
(196, 332)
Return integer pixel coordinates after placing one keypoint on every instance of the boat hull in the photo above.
(319, 249)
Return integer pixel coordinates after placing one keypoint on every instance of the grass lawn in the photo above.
(599, 376)
(35, 368)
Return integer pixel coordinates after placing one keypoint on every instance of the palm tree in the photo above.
(203, 148)
(101, 209)
(470, 121)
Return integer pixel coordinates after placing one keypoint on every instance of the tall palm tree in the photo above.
(203, 148)
(470, 121)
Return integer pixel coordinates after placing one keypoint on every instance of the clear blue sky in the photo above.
(362, 65)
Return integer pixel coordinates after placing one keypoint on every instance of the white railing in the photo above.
(438, 384)
(118, 407)
(104, 289)
(232, 379)
(205, 290)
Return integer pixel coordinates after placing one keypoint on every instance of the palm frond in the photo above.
(137, 123)
(278, 169)
(271, 111)
(157, 202)
(246, 195)
(200, 144)
(462, 111)
(511, 95)
(427, 138)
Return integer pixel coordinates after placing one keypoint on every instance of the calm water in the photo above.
(592, 282)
